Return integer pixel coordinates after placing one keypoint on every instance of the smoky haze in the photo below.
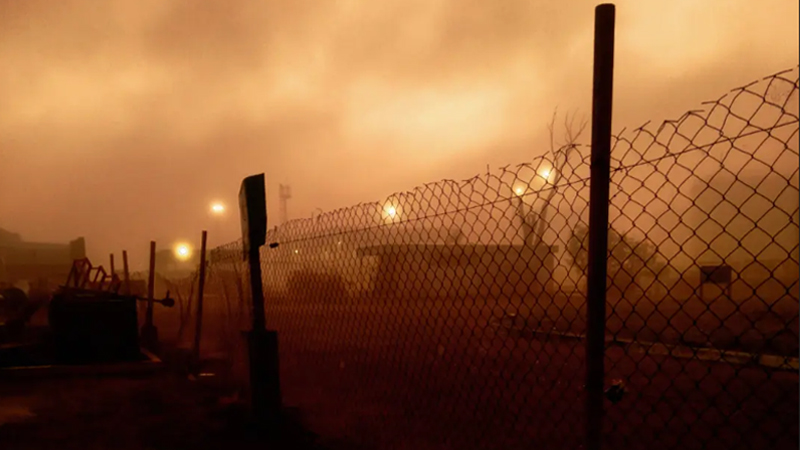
(121, 121)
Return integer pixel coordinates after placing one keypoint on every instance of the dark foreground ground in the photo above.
(153, 412)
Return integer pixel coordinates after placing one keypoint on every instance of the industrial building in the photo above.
(23, 263)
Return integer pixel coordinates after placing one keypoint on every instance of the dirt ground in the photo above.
(151, 412)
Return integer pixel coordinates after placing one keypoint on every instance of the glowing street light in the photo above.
(218, 216)
(390, 212)
(539, 180)
(182, 252)
(217, 208)
(545, 173)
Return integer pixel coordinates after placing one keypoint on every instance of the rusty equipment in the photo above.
(91, 321)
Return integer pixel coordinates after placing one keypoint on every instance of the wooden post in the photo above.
(200, 288)
(111, 265)
(126, 273)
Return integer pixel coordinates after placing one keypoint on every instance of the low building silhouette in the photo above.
(23, 262)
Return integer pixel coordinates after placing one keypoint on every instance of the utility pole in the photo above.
(285, 193)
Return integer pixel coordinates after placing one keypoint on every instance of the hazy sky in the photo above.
(120, 120)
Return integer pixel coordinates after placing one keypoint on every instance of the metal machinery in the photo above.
(91, 321)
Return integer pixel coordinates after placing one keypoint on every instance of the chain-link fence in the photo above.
(452, 316)
(704, 268)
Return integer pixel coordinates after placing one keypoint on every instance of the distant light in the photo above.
(391, 212)
(217, 208)
(296, 251)
(183, 252)
(519, 190)
(545, 173)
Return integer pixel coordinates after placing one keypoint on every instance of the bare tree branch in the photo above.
(534, 223)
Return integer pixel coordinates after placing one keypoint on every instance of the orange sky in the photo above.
(121, 120)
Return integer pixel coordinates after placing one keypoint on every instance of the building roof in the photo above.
(8, 238)
(15, 251)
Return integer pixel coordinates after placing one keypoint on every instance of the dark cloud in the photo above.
(208, 38)
(122, 119)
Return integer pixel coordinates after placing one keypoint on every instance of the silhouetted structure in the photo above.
(460, 271)
(284, 193)
(22, 261)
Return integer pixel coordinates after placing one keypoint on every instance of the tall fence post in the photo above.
(151, 281)
(200, 289)
(149, 331)
(126, 273)
(602, 95)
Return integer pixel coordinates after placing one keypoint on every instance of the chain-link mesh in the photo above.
(703, 270)
(452, 316)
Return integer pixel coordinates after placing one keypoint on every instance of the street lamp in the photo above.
(539, 180)
(391, 212)
(545, 173)
(217, 209)
(182, 251)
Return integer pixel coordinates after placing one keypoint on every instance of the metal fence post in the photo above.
(151, 281)
(126, 273)
(602, 95)
(149, 331)
(200, 289)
